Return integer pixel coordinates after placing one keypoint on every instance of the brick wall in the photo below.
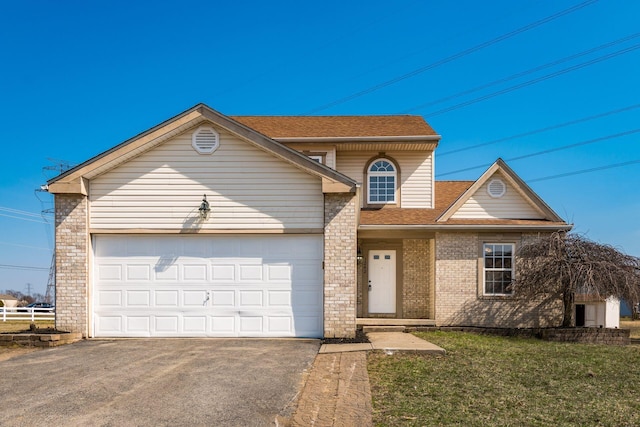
(340, 248)
(416, 295)
(459, 299)
(71, 263)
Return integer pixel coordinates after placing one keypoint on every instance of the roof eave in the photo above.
(467, 227)
(325, 139)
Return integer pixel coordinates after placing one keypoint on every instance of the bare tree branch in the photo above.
(564, 265)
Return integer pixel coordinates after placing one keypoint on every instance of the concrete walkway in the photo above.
(337, 390)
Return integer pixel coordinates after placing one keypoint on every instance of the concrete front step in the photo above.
(390, 328)
(368, 321)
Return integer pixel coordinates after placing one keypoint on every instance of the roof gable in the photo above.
(519, 202)
(73, 180)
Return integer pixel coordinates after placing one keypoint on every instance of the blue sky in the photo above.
(79, 77)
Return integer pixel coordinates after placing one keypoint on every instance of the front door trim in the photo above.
(387, 244)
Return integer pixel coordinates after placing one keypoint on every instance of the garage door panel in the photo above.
(279, 298)
(255, 286)
(166, 324)
(138, 272)
(110, 298)
(223, 273)
(138, 324)
(196, 324)
(166, 272)
(223, 325)
(251, 325)
(223, 299)
(166, 298)
(111, 272)
(110, 325)
(138, 298)
(196, 272)
(248, 272)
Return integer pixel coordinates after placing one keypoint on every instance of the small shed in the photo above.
(597, 312)
(8, 301)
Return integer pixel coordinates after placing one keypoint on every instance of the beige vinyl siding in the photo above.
(246, 187)
(512, 205)
(416, 173)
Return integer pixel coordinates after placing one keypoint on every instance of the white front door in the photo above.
(382, 281)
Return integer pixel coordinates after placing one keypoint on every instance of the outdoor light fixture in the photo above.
(359, 256)
(204, 208)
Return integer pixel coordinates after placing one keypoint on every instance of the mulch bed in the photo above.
(360, 337)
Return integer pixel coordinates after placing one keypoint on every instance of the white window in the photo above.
(317, 157)
(382, 177)
(498, 268)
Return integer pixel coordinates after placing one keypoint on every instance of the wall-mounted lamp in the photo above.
(359, 255)
(204, 208)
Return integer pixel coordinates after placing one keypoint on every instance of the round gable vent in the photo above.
(496, 188)
(205, 140)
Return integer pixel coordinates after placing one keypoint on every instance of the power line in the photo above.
(524, 73)
(19, 212)
(582, 171)
(22, 267)
(541, 130)
(24, 219)
(550, 150)
(26, 246)
(534, 81)
(454, 57)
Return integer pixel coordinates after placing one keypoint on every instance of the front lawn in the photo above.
(486, 380)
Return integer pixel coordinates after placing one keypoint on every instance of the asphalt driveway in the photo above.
(155, 382)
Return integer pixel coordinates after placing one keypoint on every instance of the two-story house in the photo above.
(210, 225)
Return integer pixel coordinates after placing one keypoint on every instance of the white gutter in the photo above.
(464, 227)
(409, 138)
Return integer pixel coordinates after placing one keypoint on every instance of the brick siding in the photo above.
(416, 292)
(459, 299)
(72, 239)
(340, 249)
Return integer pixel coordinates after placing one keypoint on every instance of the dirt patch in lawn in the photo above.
(7, 353)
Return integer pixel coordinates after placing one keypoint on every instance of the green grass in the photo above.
(485, 380)
(23, 325)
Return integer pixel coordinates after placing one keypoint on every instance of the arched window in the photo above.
(381, 182)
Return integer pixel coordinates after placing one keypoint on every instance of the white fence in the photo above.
(26, 313)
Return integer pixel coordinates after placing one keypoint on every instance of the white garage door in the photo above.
(189, 286)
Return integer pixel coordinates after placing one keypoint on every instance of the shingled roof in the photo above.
(337, 126)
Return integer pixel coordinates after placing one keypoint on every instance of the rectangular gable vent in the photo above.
(205, 140)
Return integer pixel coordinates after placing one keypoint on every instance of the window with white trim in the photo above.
(498, 268)
(381, 182)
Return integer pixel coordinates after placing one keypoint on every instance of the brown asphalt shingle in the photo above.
(337, 126)
(447, 192)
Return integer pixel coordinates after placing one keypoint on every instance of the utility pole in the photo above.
(58, 167)
(49, 296)
(29, 289)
